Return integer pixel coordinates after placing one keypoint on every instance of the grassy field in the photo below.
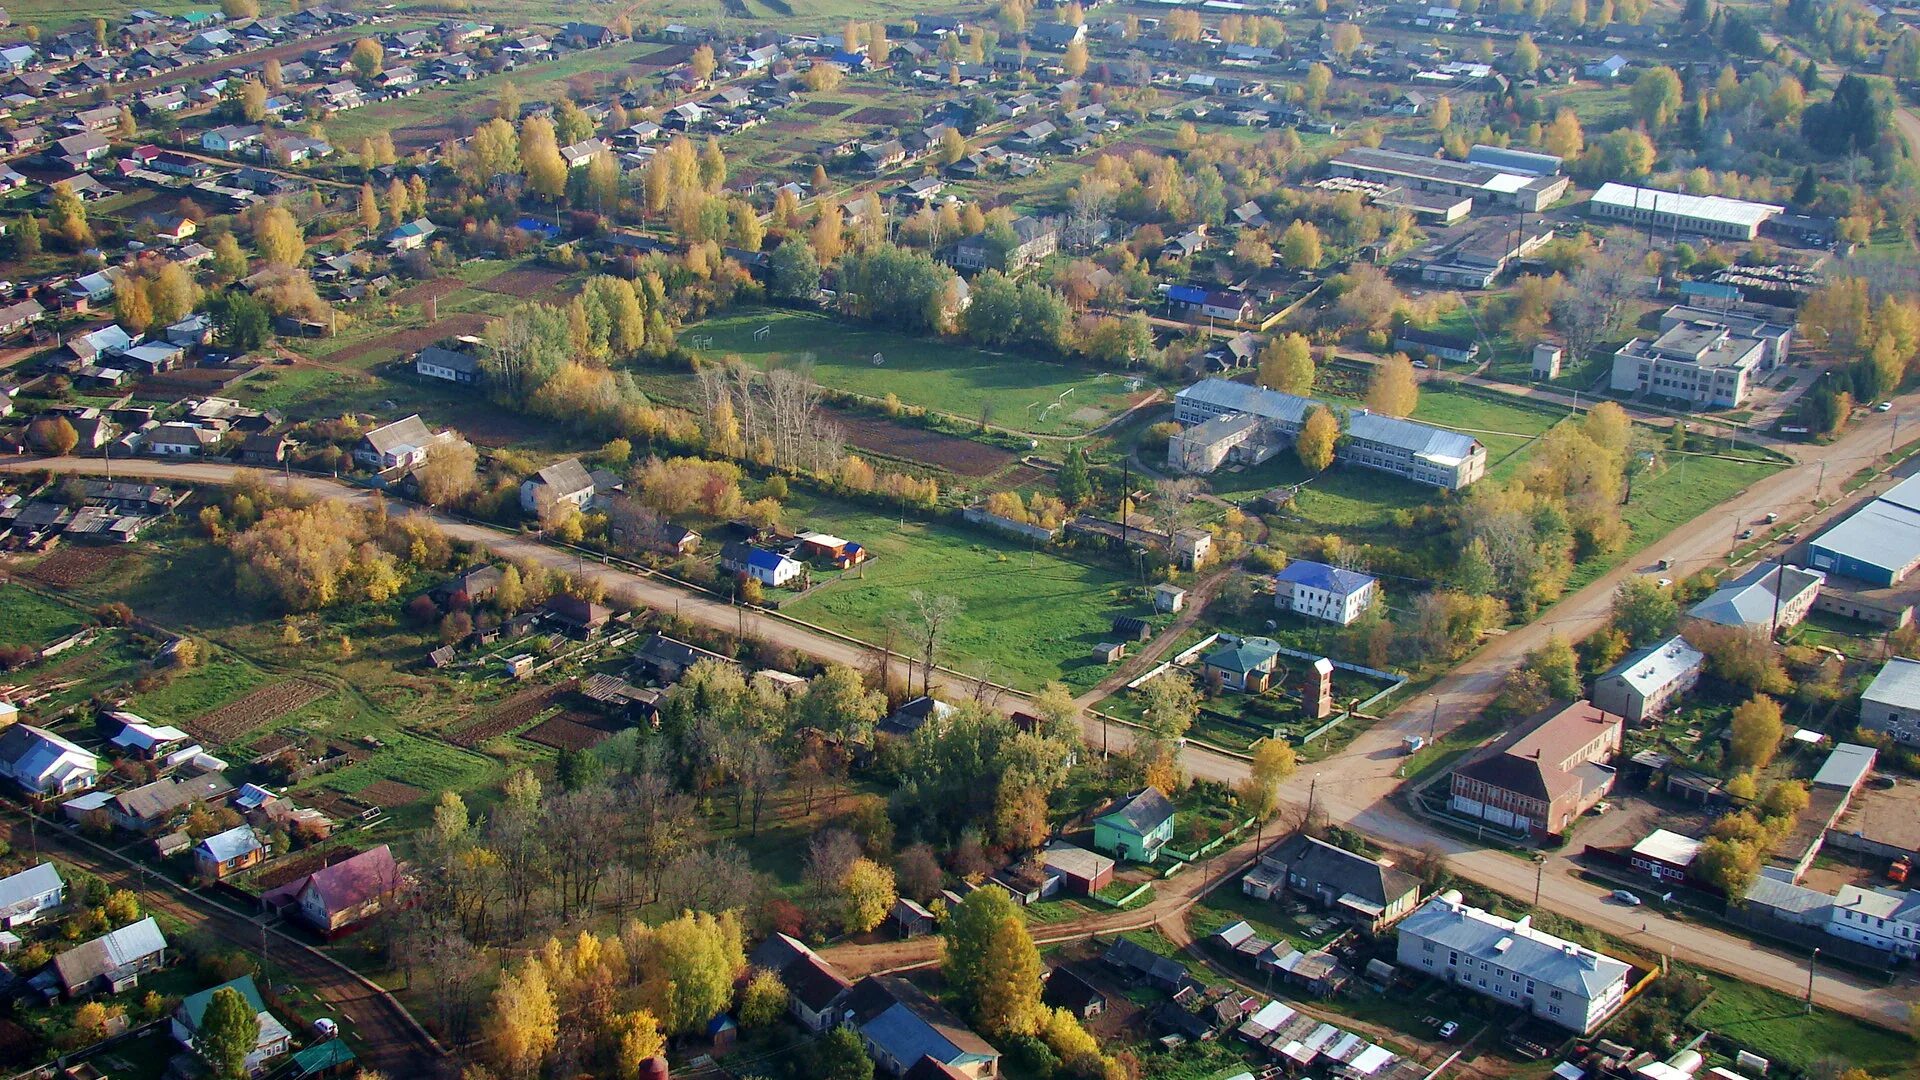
(1018, 391)
(1778, 1028)
(218, 680)
(1028, 616)
(27, 618)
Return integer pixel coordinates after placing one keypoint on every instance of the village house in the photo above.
(344, 895)
(1135, 827)
(1538, 781)
(1245, 664)
(111, 963)
(1768, 598)
(45, 764)
(31, 894)
(563, 483)
(1556, 980)
(1319, 591)
(770, 568)
(227, 853)
(1369, 893)
(403, 443)
(902, 1027)
(272, 1041)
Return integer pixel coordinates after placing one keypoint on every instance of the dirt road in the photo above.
(1361, 776)
(375, 1025)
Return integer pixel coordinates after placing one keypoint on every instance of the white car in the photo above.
(1449, 1029)
(1625, 897)
(1665, 583)
(1421, 364)
(325, 1028)
(1883, 406)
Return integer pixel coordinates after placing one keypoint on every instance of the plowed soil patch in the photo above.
(412, 340)
(962, 457)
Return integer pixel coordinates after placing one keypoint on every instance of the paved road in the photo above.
(381, 1033)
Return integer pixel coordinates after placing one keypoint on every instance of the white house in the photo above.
(561, 482)
(1324, 592)
(1510, 961)
(230, 138)
(1886, 919)
(29, 894)
(1891, 705)
(449, 365)
(44, 763)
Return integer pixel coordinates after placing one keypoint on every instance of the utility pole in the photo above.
(1812, 961)
(1539, 872)
(1433, 721)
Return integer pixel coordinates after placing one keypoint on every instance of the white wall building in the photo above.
(1708, 215)
(1891, 705)
(1510, 961)
(1324, 592)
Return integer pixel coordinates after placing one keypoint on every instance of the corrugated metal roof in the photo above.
(1653, 667)
(1846, 766)
(1421, 440)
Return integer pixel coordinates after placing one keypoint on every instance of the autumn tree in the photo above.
(1563, 136)
(1319, 437)
(55, 435)
(367, 58)
(525, 1021)
(1393, 389)
(1300, 246)
(1656, 97)
(68, 218)
(701, 64)
(229, 1030)
(1273, 761)
(762, 999)
(690, 964)
(1441, 117)
(868, 893)
(278, 237)
(1754, 736)
(991, 963)
(1286, 365)
(545, 169)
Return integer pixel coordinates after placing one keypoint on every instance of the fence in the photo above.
(1143, 887)
(976, 516)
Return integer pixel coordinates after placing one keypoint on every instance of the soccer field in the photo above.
(1013, 389)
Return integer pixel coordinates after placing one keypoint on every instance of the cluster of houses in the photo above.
(109, 511)
(113, 963)
(54, 769)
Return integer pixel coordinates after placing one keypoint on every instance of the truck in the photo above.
(1412, 744)
(1898, 871)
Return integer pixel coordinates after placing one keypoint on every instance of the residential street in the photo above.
(1355, 782)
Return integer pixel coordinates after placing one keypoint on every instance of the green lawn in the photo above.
(1778, 1028)
(27, 618)
(1027, 617)
(1677, 494)
(219, 679)
(1017, 390)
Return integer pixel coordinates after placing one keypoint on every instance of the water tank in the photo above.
(1451, 896)
(1687, 1061)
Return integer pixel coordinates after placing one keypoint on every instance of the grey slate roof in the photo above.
(1421, 440)
(1343, 870)
(1288, 409)
(407, 431)
(1897, 685)
(1143, 811)
(122, 948)
(27, 885)
(565, 477)
(1748, 600)
(1516, 946)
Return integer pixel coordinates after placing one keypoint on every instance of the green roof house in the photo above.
(274, 1039)
(1136, 827)
(1244, 664)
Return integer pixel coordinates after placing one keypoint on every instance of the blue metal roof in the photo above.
(1316, 575)
(1186, 294)
(762, 559)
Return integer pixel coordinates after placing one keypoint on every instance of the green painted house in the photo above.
(1135, 827)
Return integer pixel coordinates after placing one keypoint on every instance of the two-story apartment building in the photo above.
(1540, 781)
(1328, 593)
(1699, 361)
(1511, 961)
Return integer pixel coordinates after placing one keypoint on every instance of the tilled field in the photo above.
(572, 731)
(412, 340)
(70, 566)
(962, 457)
(263, 706)
(509, 714)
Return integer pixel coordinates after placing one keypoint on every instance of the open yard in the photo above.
(1013, 390)
(1778, 1028)
(27, 618)
(1027, 616)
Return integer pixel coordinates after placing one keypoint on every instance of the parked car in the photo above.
(1883, 406)
(1770, 519)
(1625, 897)
(1449, 1029)
(325, 1028)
